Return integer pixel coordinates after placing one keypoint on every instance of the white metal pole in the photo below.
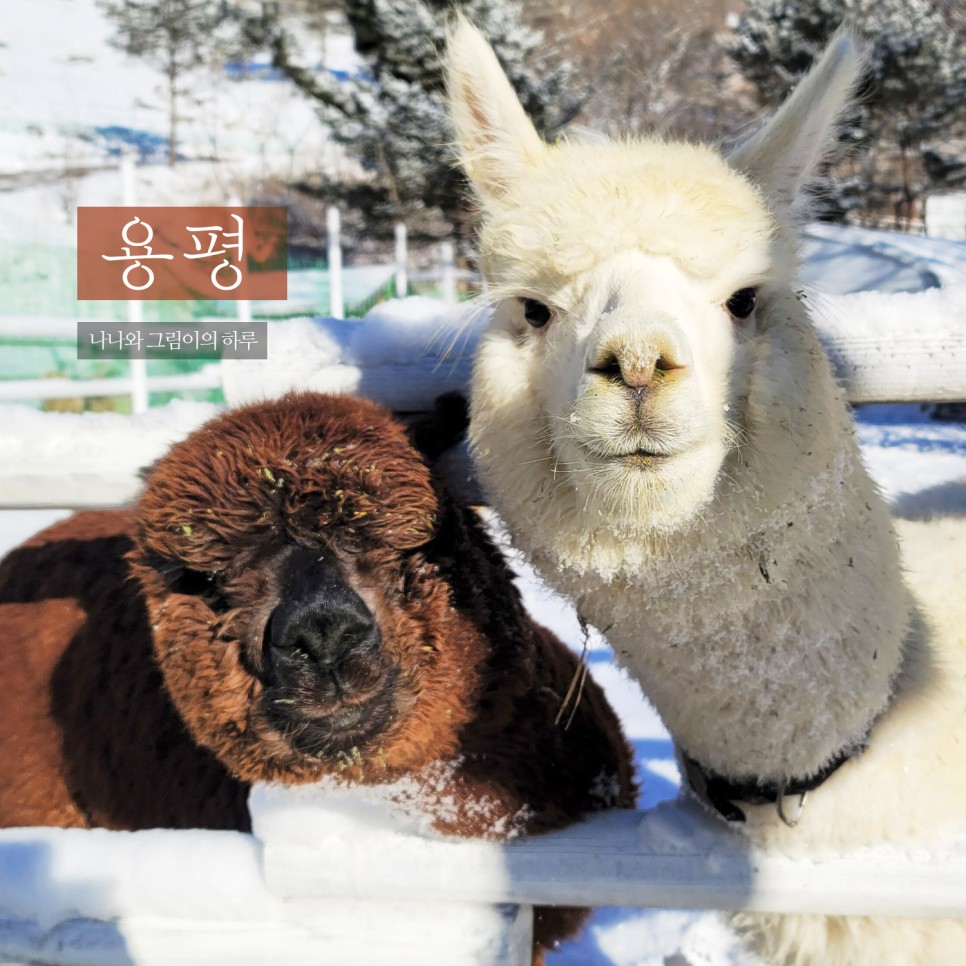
(243, 308)
(448, 272)
(333, 225)
(402, 282)
(135, 310)
(244, 313)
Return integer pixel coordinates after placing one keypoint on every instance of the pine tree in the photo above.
(394, 120)
(175, 36)
(648, 67)
(914, 89)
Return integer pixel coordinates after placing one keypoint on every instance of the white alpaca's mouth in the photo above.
(638, 453)
(641, 483)
(643, 459)
(624, 442)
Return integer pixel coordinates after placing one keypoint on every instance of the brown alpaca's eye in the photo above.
(742, 303)
(195, 583)
(536, 313)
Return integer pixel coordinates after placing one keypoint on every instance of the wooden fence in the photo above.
(884, 348)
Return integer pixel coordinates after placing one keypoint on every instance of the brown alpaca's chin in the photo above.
(334, 730)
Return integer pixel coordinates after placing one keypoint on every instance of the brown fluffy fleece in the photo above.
(146, 683)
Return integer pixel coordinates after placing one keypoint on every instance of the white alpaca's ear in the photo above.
(781, 157)
(496, 139)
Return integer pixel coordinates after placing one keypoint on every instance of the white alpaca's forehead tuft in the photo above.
(583, 203)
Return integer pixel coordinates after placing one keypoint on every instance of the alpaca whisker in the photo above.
(576, 683)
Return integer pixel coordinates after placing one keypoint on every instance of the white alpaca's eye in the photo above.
(536, 313)
(742, 303)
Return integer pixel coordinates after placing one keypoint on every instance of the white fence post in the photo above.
(402, 282)
(135, 310)
(333, 226)
(243, 308)
(448, 272)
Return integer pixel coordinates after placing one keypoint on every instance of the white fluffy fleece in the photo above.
(691, 478)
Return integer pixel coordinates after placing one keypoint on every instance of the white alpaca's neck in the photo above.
(767, 643)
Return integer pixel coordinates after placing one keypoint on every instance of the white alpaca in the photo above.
(656, 422)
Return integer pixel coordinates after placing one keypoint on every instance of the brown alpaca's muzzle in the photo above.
(329, 686)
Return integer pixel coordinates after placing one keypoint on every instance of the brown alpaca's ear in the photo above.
(442, 428)
(495, 138)
(783, 155)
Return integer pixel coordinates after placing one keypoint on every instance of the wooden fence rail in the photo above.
(673, 856)
(884, 348)
(337, 877)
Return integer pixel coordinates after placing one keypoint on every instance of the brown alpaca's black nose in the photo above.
(321, 625)
(324, 631)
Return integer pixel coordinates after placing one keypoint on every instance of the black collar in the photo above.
(722, 793)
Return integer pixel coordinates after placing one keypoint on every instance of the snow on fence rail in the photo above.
(674, 856)
(341, 876)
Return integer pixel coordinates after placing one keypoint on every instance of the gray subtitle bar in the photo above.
(210, 339)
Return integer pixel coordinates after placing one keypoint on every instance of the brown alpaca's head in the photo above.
(300, 625)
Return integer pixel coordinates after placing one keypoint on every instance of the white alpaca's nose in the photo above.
(655, 362)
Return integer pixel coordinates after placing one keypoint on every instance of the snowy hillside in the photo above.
(70, 105)
(61, 101)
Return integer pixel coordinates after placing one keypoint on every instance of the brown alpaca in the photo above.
(291, 598)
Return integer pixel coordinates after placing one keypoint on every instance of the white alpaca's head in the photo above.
(638, 285)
